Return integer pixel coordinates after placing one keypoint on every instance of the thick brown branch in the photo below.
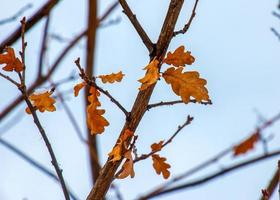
(42, 12)
(271, 186)
(139, 108)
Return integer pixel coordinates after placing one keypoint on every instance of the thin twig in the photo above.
(188, 24)
(43, 46)
(169, 103)
(134, 21)
(276, 33)
(105, 92)
(267, 193)
(275, 14)
(16, 15)
(34, 163)
(9, 79)
(215, 175)
(34, 19)
(180, 128)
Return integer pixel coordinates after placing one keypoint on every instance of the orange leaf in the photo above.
(179, 57)
(127, 168)
(161, 166)
(186, 84)
(111, 78)
(11, 61)
(116, 153)
(78, 87)
(43, 102)
(152, 75)
(247, 144)
(95, 121)
(157, 146)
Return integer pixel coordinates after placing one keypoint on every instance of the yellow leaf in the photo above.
(11, 61)
(111, 78)
(157, 146)
(161, 166)
(152, 75)
(43, 102)
(186, 84)
(95, 121)
(247, 144)
(116, 153)
(127, 168)
(78, 87)
(179, 57)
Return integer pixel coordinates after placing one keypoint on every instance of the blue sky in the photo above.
(235, 51)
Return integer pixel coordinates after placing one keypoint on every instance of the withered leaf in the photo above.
(78, 87)
(179, 57)
(152, 74)
(160, 166)
(127, 168)
(157, 146)
(11, 61)
(111, 78)
(186, 84)
(43, 102)
(247, 144)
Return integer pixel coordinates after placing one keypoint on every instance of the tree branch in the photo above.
(214, 175)
(139, 108)
(134, 21)
(170, 103)
(16, 15)
(42, 12)
(34, 163)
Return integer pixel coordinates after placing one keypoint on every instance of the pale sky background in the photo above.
(235, 51)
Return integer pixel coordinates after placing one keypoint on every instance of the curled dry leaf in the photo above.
(95, 121)
(179, 57)
(111, 78)
(12, 62)
(157, 146)
(78, 87)
(161, 166)
(122, 143)
(186, 84)
(43, 102)
(152, 75)
(127, 168)
(247, 144)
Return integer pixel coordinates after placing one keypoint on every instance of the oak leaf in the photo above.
(186, 84)
(43, 102)
(247, 144)
(179, 57)
(111, 78)
(78, 87)
(11, 61)
(127, 168)
(95, 121)
(122, 143)
(152, 75)
(161, 166)
(157, 146)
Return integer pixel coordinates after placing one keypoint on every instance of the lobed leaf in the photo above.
(11, 61)
(179, 57)
(111, 78)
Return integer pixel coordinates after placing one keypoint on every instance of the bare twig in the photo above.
(43, 46)
(215, 175)
(188, 24)
(91, 82)
(9, 79)
(267, 193)
(16, 15)
(134, 21)
(180, 128)
(276, 33)
(34, 163)
(42, 12)
(169, 103)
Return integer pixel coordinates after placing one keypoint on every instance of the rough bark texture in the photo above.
(106, 176)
